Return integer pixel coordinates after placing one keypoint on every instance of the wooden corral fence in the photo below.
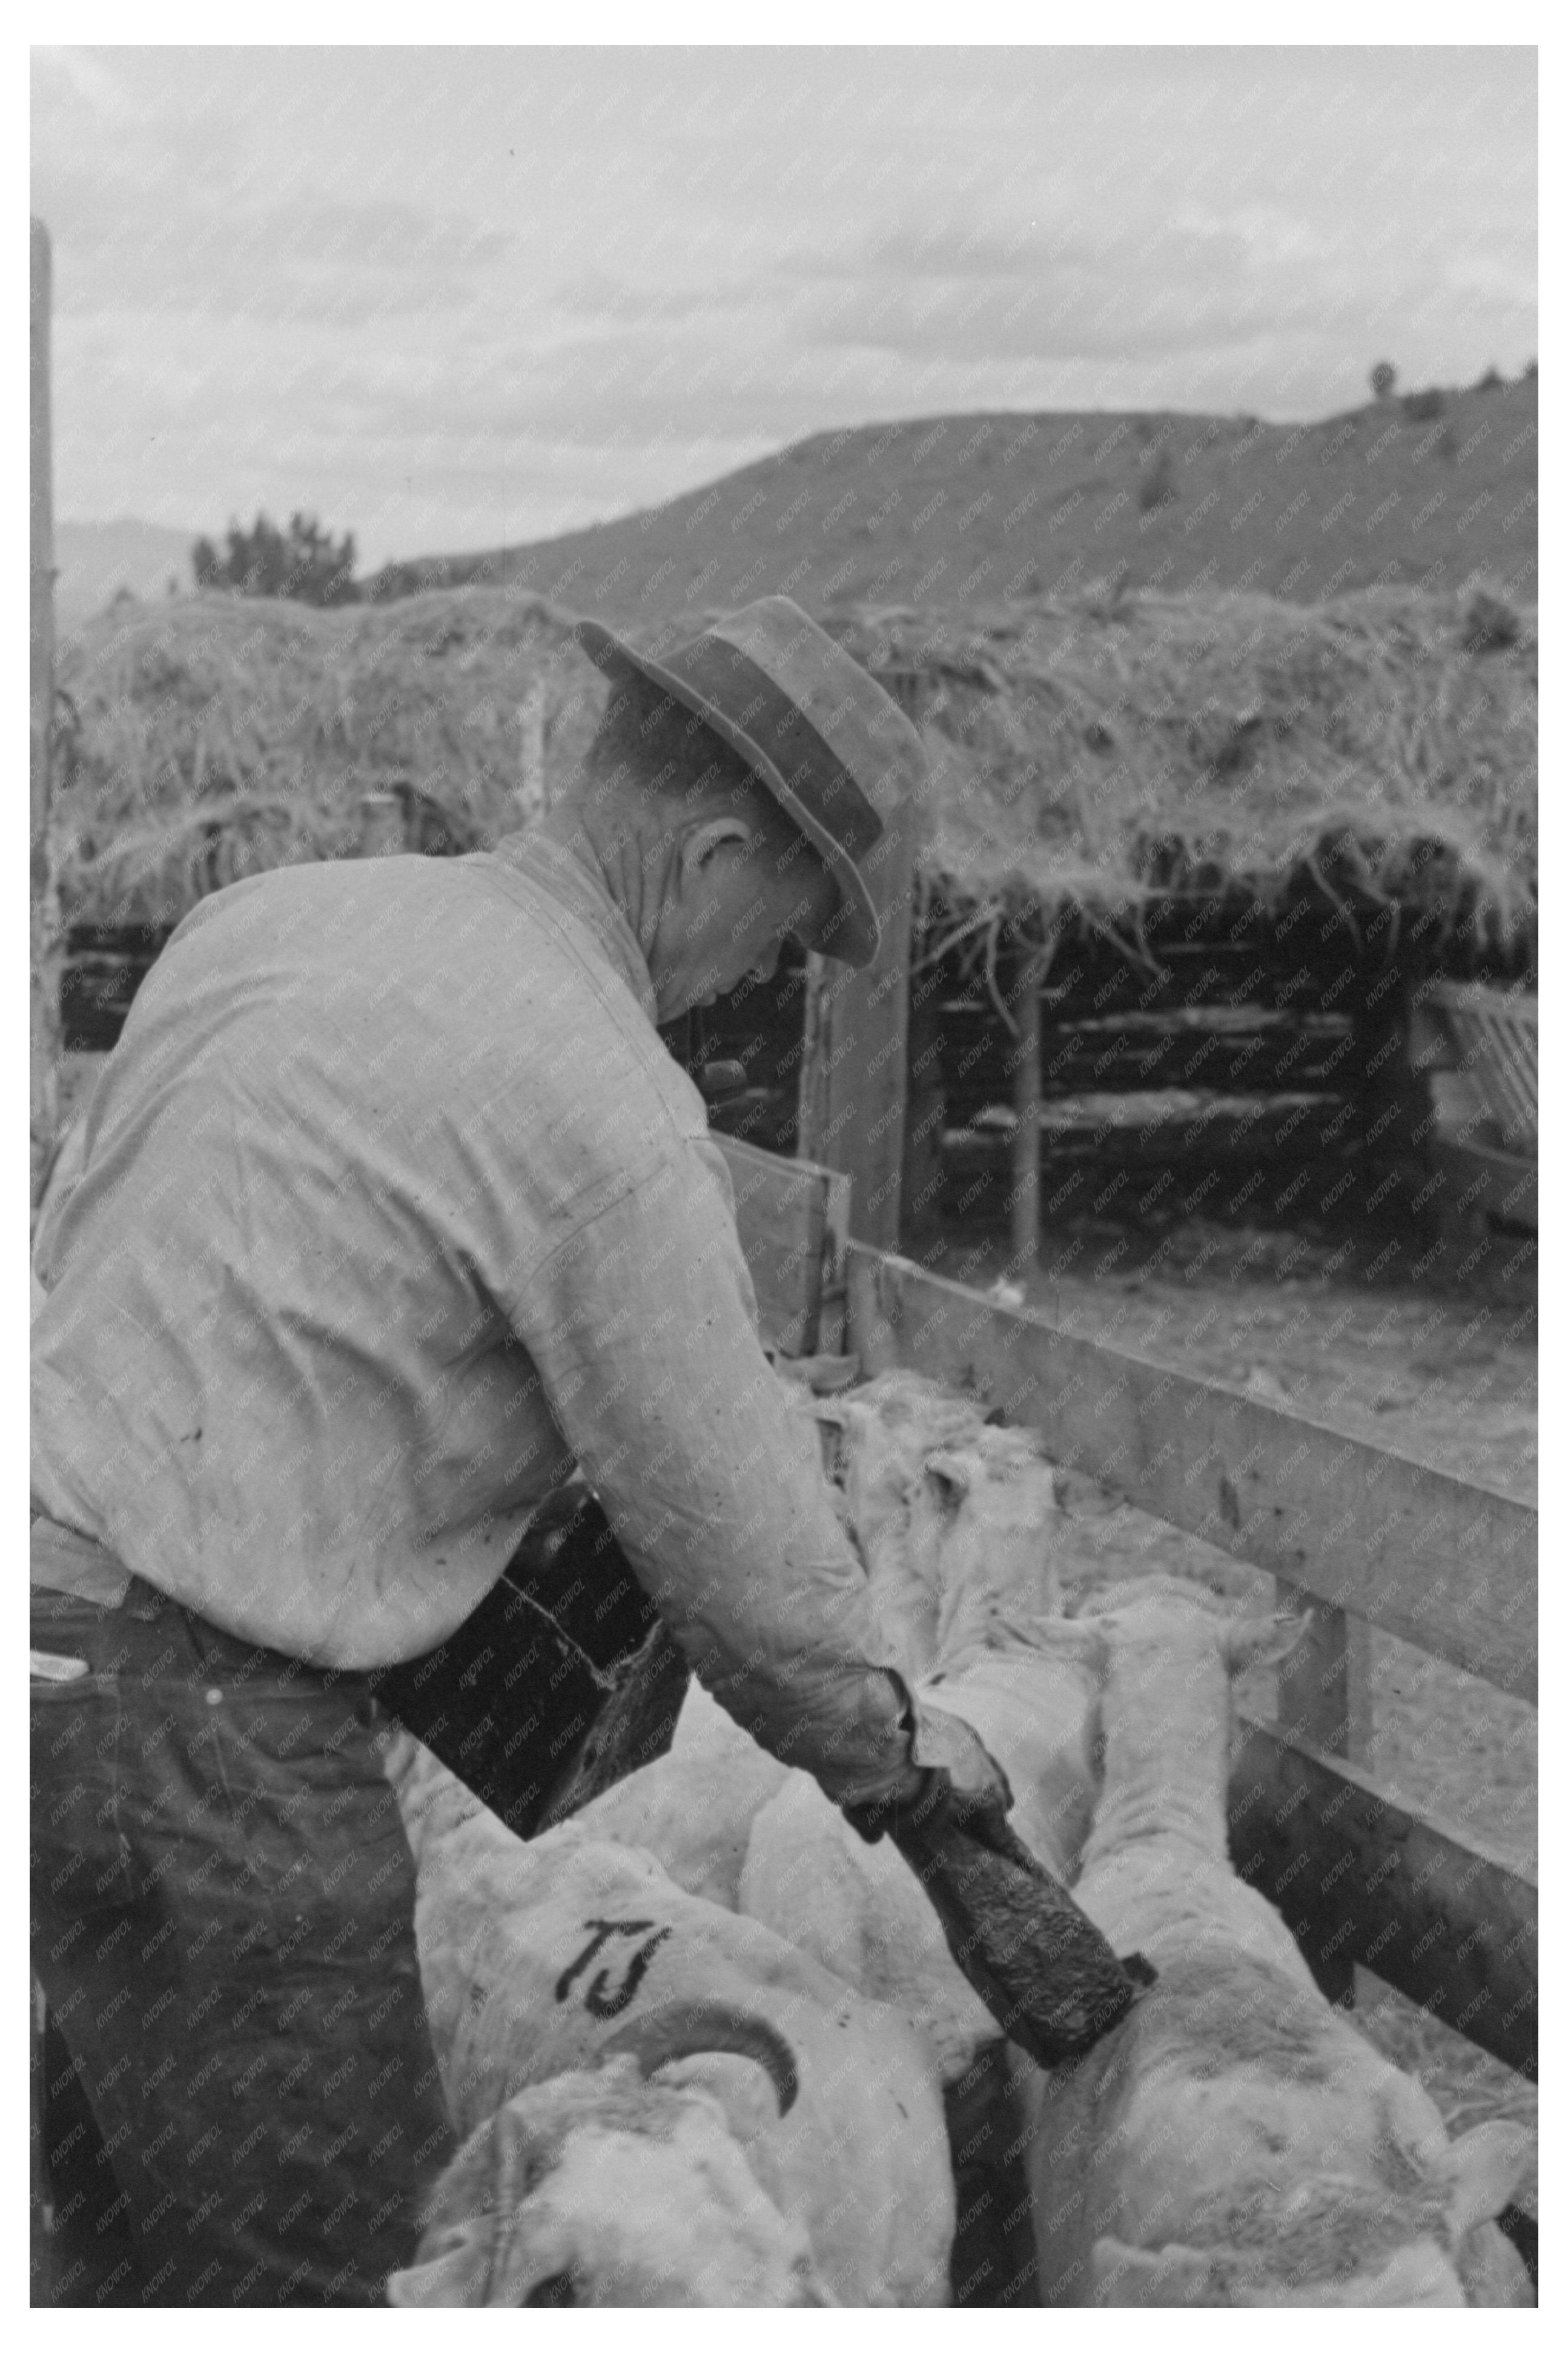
(1486, 1041)
(1355, 1535)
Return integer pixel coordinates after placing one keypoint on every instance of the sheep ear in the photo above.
(457, 2276)
(1261, 1641)
(951, 1473)
(1490, 2162)
(1174, 2275)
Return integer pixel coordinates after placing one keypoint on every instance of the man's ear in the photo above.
(699, 845)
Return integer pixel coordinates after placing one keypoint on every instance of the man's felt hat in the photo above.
(831, 747)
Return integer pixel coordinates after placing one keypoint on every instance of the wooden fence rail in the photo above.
(1361, 1537)
(1438, 1562)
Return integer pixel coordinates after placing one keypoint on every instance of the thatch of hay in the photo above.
(213, 738)
(1091, 759)
(1104, 756)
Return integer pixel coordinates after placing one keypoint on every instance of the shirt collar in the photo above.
(578, 886)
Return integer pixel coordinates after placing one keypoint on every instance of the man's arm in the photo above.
(642, 1329)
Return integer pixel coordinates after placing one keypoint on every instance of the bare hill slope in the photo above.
(1428, 489)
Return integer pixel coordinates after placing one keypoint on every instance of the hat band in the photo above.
(755, 703)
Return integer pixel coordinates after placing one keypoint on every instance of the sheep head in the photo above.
(605, 2189)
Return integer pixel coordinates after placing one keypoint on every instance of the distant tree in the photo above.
(1383, 378)
(1490, 382)
(304, 563)
(1529, 376)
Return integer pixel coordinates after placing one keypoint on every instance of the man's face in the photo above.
(742, 883)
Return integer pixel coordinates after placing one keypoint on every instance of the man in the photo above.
(393, 1209)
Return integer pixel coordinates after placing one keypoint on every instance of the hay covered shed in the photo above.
(1169, 827)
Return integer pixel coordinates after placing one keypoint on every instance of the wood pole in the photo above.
(854, 1067)
(382, 831)
(533, 729)
(1025, 1195)
(44, 1014)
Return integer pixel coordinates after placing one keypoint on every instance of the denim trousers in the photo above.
(223, 1924)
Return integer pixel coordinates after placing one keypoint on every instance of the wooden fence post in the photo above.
(44, 1010)
(383, 828)
(1024, 1199)
(1325, 1694)
(1325, 1699)
(854, 1071)
(1393, 1100)
(533, 730)
(925, 1112)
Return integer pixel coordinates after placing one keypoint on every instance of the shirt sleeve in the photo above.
(642, 1328)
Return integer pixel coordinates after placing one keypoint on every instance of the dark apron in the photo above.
(563, 1682)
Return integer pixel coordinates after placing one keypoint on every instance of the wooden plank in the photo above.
(1440, 1563)
(1212, 1131)
(1218, 1064)
(1359, 1878)
(792, 1217)
(852, 1071)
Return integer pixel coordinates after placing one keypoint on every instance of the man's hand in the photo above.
(950, 1770)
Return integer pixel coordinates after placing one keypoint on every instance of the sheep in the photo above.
(1234, 2140)
(955, 1521)
(540, 1960)
(692, 1808)
(860, 1911)
(950, 1513)
(602, 2189)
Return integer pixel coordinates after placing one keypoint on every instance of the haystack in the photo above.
(1092, 760)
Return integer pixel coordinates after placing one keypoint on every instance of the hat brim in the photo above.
(854, 935)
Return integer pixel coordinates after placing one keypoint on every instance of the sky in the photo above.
(455, 299)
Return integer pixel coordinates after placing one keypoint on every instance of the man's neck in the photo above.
(609, 848)
(563, 856)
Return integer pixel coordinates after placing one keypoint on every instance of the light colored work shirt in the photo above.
(392, 1207)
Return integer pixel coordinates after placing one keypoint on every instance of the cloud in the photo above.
(609, 301)
(311, 259)
(386, 283)
(1140, 286)
(378, 236)
(1071, 289)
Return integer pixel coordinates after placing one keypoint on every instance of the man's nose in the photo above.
(767, 963)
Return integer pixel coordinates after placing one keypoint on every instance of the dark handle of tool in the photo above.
(1038, 1963)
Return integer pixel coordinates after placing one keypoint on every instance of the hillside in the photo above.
(1425, 490)
(93, 559)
